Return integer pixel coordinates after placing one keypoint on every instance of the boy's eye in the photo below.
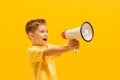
(42, 31)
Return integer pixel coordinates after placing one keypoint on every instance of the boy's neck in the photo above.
(38, 45)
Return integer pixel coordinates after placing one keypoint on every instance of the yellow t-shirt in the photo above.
(42, 68)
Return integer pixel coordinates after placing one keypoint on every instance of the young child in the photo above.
(40, 54)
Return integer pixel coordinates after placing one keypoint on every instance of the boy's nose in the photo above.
(46, 34)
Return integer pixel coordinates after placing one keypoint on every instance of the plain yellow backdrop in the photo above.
(96, 60)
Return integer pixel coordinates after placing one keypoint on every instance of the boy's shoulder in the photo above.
(51, 45)
(32, 48)
(48, 45)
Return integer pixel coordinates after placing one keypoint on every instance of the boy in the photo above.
(40, 54)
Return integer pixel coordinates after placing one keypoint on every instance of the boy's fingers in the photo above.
(74, 43)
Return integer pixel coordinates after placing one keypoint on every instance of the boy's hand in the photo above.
(73, 44)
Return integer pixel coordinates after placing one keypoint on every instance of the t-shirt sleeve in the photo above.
(35, 55)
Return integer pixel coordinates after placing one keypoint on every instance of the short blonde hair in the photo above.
(32, 25)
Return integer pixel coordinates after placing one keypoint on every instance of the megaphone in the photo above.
(85, 31)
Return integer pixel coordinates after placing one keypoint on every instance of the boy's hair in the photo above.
(32, 25)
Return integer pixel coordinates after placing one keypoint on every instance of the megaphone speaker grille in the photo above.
(86, 31)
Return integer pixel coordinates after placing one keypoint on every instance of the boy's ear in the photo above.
(30, 35)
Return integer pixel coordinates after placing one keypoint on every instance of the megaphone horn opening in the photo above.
(87, 31)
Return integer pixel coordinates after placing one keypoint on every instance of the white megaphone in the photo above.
(85, 31)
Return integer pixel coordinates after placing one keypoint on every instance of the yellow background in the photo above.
(97, 60)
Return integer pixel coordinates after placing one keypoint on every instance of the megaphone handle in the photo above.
(75, 50)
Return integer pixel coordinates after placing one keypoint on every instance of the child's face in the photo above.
(40, 36)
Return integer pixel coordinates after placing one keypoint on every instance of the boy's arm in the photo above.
(54, 51)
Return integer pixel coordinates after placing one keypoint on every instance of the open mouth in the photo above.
(45, 39)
